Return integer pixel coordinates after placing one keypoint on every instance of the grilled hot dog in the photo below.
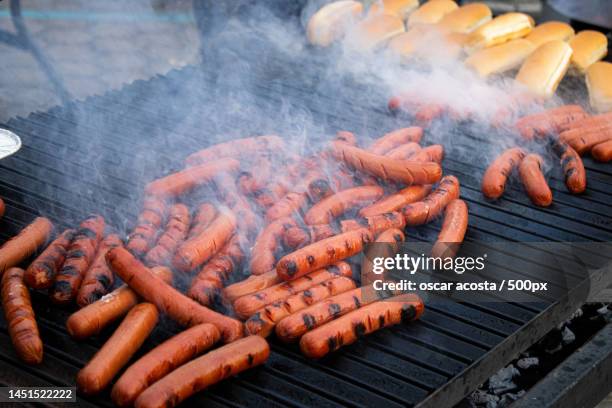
(24, 244)
(335, 205)
(453, 230)
(575, 175)
(533, 180)
(98, 278)
(41, 272)
(250, 285)
(396, 138)
(175, 233)
(149, 222)
(494, 180)
(422, 212)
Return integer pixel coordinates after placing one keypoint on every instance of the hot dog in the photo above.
(427, 113)
(175, 233)
(177, 306)
(404, 152)
(42, 270)
(375, 223)
(197, 250)
(263, 321)
(422, 212)
(453, 230)
(433, 153)
(163, 359)
(603, 151)
(94, 317)
(349, 328)
(24, 244)
(533, 180)
(494, 179)
(584, 140)
(322, 253)
(266, 244)
(150, 221)
(247, 305)
(396, 201)
(297, 237)
(205, 371)
(20, 318)
(118, 349)
(289, 204)
(237, 148)
(81, 254)
(205, 214)
(591, 122)
(392, 235)
(250, 285)
(550, 121)
(396, 138)
(98, 278)
(206, 286)
(573, 168)
(335, 205)
(181, 182)
(387, 169)
(346, 137)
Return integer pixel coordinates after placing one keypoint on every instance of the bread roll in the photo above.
(374, 31)
(501, 29)
(545, 68)
(589, 47)
(552, 30)
(401, 8)
(425, 41)
(431, 12)
(332, 21)
(599, 84)
(466, 18)
(500, 58)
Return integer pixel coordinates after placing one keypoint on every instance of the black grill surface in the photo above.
(96, 155)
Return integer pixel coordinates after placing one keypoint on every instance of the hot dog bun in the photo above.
(589, 47)
(374, 31)
(599, 83)
(331, 21)
(552, 30)
(500, 58)
(431, 12)
(545, 68)
(501, 29)
(399, 8)
(466, 18)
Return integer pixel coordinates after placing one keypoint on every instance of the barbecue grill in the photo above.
(95, 156)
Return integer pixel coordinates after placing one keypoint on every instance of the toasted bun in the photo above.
(401, 8)
(500, 58)
(552, 30)
(599, 84)
(431, 12)
(331, 21)
(589, 47)
(425, 41)
(545, 68)
(407, 44)
(466, 18)
(501, 29)
(374, 31)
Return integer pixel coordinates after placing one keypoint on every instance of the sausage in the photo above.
(98, 278)
(395, 202)
(24, 244)
(346, 137)
(349, 328)
(118, 349)
(204, 371)
(94, 317)
(247, 305)
(175, 233)
(206, 286)
(336, 205)
(296, 237)
(81, 254)
(182, 182)
(177, 306)
(550, 121)
(195, 251)
(584, 140)
(266, 245)
(318, 189)
(404, 152)
(573, 168)
(387, 169)
(322, 253)
(433, 153)
(603, 151)
(392, 235)
(249, 182)
(423, 212)
(236, 148)
(396, 138)
(496, 175)
(263, 321)
(453, 230)
(591, 122)
(41, 272)
(285, 207)
(375, 223)
(250, 285)
(150, 221)
(533, 180)
(20, 318)
(427, 113)
(163, 359)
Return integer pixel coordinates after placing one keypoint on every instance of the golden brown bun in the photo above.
(545, 68)
(424, 40)
(501, 29)
(401, 8)
(552, 30)
(466, 18)
(599, 84)
(374, 31)
(589, 47)
(331, 21)
(431, 12)
(500, 58)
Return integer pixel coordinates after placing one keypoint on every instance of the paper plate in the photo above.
(9, 143)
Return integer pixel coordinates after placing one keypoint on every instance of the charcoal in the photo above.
(527, 363)
(568, 336)
(501, 382)
(480, 397)
(509, 398)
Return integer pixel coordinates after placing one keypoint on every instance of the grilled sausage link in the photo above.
(175, 233)
(583, 140)
(20, 318)
(205, 214)
(289, 204)
(396, 138)
(573, 168)
(237, 148)
(550, 121)
(533, 180)
(395, 202)
(433, 153)
(204, 371)
(404, 152)
(250, 285)
(41, 272)
(150, 221)
(99, 278)
(602, 152)
(24, 244)
(423, 212)
(453, 230)
(337, 204)
(496, 175)
(163, 359)
(349, 328)
(118, 349)
(266, 245)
